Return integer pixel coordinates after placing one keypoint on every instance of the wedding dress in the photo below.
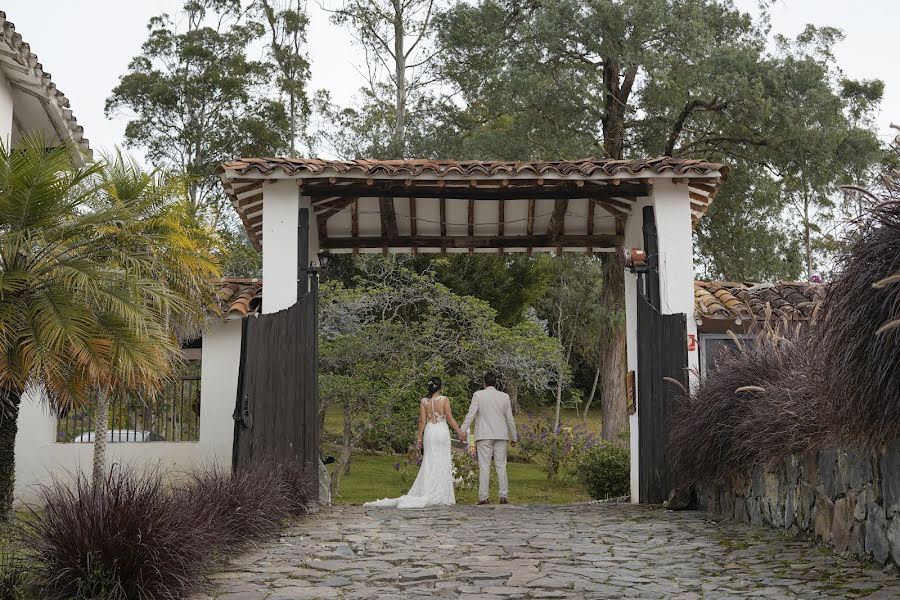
(434, 483)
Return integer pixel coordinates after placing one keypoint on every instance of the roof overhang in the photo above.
(38, 106)
(466, 206)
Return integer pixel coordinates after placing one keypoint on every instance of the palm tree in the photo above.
(81, 309)
(178, 253)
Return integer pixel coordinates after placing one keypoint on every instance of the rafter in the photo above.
(467, 242)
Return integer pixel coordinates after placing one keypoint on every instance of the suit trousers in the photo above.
(488, 449)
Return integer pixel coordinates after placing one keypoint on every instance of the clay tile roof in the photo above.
(586, 167)
(240, 297)
(791, 300)
(24, 72)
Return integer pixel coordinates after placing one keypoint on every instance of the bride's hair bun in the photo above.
(434, 384)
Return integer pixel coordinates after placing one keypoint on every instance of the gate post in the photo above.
(671, 208)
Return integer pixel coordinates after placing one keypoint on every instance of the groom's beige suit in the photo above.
(491, 410)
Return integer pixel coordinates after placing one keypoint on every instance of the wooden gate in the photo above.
(276, 414)
(662, 352)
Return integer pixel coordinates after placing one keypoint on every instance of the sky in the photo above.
(87, 44)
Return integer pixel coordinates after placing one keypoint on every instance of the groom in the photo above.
(494, 425)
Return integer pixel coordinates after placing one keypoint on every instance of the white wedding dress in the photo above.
(434, 483)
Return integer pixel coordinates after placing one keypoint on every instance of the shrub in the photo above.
(560, 449)
(125, 539)
(605, 471)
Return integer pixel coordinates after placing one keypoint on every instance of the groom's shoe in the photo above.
(483, 502)
(503, 500)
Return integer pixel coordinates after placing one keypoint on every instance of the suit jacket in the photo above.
(491, 410)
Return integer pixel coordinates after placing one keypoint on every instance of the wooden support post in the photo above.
(302, 253)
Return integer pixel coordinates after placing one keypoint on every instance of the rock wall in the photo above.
(845, 498)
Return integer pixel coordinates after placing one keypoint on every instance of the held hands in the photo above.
(461, 435)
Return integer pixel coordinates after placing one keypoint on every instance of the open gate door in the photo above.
(662, 352)
(276, 416)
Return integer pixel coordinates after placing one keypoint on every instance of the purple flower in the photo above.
(396, 466)
(419, 461)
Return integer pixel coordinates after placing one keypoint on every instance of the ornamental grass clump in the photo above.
(14, 575)
(761, 403)
(131, 537)
(242, 507)
(124, 539)
(862, 335)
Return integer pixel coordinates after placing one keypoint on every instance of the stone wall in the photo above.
(845, 498)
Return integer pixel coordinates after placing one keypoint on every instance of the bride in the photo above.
(434, 484)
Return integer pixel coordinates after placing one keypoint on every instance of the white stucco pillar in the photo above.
(672, 209)
(6, 112)
(282, 201)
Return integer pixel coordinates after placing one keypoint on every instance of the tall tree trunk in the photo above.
(514, 397)
(293, 116)
(613, 359)
(343, 463)
(587, 406)
(807, 237)
(618, 80)
(346, 444)
(614, 403)
(101, 426)
(9, 416)
(400, 74)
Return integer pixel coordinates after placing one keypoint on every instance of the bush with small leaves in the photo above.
(605, 471)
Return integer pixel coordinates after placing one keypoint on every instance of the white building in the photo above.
(29, 100)
(293, 209)
(30, 103)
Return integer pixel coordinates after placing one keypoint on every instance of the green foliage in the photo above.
(509, 283)
(197, 100)
(560, 449)
(14, 575)
(100, 269)
(605, 471)
(287, 23)
(571, 78)
(383, 338)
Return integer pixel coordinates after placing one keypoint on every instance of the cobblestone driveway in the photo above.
(581, 551)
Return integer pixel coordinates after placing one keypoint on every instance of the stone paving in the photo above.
(575, 551)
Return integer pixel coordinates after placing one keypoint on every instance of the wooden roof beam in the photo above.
(482, 193)
(466, 242)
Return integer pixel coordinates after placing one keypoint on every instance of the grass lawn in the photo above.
(373, 477)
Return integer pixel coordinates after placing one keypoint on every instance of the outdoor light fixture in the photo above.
(635, 259)
(324, 259)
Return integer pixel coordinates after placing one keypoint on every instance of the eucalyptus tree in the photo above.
(195, 99)
(395, 36)
(287, 23)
